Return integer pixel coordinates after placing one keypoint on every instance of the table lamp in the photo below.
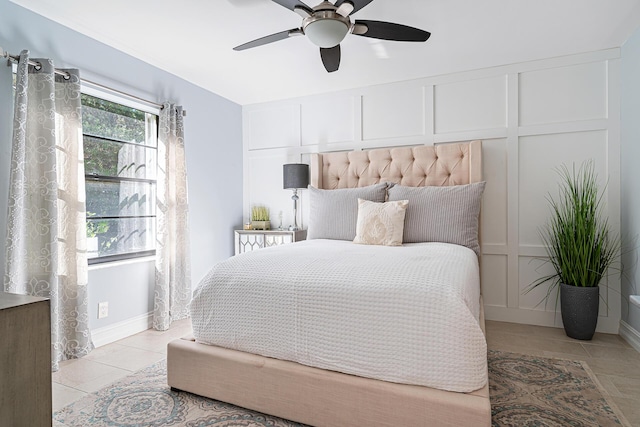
(295, 176)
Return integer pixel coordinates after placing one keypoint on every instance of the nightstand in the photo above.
(249, 240)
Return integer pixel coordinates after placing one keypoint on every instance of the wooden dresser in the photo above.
(25, 361)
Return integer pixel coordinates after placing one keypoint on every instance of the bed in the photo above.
(302, 361)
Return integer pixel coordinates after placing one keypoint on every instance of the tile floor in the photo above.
(104, 365)
(615, 363)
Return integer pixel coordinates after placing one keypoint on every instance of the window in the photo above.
(120, 158)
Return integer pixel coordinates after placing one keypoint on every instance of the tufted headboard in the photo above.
(419, 166)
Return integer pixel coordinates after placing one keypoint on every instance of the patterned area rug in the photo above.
(525, 391)
(537, 391)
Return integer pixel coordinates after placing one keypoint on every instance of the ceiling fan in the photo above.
(327, 24)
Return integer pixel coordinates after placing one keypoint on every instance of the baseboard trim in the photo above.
(606, 324)
(630, 335)
(117, 331)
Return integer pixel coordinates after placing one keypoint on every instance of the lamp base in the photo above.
(295, 198)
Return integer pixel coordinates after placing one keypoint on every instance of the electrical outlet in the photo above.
(103, 309)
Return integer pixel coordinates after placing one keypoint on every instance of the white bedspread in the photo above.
(405, 314)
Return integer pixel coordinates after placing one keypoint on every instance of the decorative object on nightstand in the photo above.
(260, 218)
(295, 177)
(250, 240)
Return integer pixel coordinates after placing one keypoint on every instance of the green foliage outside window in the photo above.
(118, 145)
(94, 228)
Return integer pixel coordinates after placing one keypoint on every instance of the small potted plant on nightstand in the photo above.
(260, 218)
(580, 249)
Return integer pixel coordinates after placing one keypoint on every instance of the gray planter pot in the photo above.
(579, 307)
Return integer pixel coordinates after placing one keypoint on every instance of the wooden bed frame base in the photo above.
(314, 396)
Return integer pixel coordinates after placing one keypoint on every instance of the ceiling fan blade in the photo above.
(293, 4)
(304, 13)
(330, 58)
(390, 31)
(269, 39)
(357, 4)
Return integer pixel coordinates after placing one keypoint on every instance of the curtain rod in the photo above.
(16, 59)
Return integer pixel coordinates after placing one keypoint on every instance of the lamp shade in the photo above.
(295, 175)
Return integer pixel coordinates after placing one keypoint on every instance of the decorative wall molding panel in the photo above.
(532, 117)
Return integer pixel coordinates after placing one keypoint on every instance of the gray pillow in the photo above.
(441, 214)
(334, 213)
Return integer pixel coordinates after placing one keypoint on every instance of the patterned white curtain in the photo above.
(46, 231)
(173, 275)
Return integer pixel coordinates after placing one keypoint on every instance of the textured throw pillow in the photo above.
(380, 223)
(334, 213)
(441, 214)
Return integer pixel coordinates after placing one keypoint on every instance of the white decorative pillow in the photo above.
(442, 214)
(380, 223)
(333, 213)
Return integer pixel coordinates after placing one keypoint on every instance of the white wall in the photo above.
(532, 117)
(128, 288)
(630, 191)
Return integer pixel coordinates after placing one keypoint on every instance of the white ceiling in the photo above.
(193, 39)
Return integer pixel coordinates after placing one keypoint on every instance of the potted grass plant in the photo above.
(580, 248)
(260, 218)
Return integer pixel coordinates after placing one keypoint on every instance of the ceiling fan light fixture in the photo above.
(326, 31)
(328, 23)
